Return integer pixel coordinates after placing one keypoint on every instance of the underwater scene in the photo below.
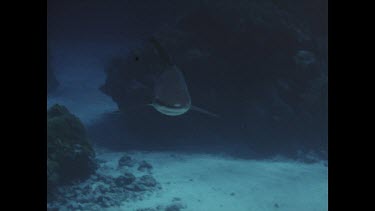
(196, 105)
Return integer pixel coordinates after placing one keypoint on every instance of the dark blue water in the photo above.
(83, 37)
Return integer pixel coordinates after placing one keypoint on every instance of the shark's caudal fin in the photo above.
(194, 108)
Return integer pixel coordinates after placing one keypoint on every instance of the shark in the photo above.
(171, 93)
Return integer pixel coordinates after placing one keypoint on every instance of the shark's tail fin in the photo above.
(194, 108)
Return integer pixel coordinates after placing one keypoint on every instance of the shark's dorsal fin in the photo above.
(195, 108)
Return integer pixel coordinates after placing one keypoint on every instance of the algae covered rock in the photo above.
(70, 157)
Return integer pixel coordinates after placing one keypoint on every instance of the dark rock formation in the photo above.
(260, 64)
(148, 181)
(126, 161)
(102, 190)
(144, 183)
(70, 156)
(126, 179)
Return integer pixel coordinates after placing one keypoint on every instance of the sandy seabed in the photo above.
(206, 182)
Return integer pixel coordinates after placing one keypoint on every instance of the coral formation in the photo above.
(70, 156)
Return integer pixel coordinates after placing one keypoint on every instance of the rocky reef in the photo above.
(112, 185)
(80, 179)
(260, 64)
(70, 156)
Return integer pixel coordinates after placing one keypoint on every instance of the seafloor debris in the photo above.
(103, 190)
(126, 179)
(176, 205)
(126, 161)
(143, 166)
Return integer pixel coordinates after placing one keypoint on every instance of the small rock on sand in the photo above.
(143, 165)
(125, 179)
(126, 161)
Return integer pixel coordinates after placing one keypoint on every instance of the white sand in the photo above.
(205, 183)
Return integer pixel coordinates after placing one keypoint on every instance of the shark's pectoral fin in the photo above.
(195, 108)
